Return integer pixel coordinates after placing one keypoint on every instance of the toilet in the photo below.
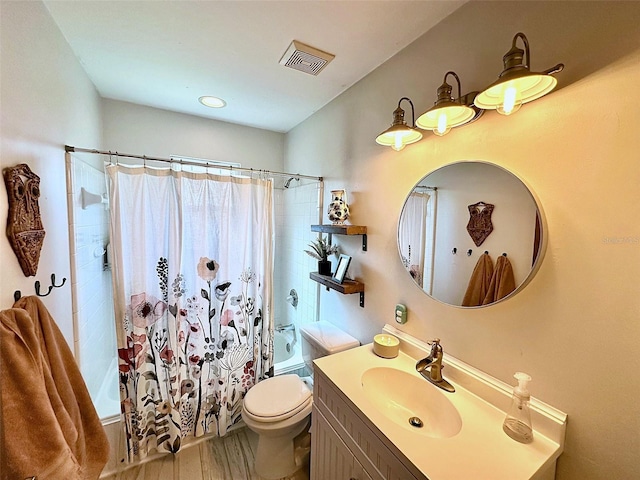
(278, 409)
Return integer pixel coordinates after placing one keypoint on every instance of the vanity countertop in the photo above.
(479, 450)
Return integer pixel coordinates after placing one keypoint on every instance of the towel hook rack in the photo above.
(51, 287)
(17, 295)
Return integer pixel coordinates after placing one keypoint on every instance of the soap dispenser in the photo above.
(517, 424)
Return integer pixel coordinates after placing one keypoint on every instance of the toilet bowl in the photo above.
(278, 409)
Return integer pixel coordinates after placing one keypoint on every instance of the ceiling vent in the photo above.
(305, 58)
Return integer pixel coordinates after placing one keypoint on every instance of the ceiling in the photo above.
(166, 54)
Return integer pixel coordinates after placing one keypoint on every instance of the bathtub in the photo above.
(287, 354)
(107, 401)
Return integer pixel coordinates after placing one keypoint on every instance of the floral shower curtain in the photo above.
(192, 267)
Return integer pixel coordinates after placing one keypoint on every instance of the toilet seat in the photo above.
(277, 399)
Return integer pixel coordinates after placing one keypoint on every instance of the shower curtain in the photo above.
(411, 235)
(416, 236)
(193, 261)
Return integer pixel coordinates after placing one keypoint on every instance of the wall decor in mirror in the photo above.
(439, 253)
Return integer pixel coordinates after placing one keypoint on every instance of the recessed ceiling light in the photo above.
(213, 102)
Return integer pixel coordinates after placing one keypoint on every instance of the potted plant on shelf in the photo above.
(320, 250)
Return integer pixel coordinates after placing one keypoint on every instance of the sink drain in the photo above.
(415, 422)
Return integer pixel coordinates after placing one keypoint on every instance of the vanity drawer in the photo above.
(380, 459)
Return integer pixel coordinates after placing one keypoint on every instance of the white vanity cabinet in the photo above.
(330, 457)
(345, 445)
(361, 428)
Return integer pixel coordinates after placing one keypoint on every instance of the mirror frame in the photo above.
(543, 240)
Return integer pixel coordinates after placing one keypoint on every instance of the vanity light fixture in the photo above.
(447, 112)
(213, 102)
(517, 84)
(399, 134)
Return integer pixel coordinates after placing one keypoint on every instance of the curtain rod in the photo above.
(71, 149)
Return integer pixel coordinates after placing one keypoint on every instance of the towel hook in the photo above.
(53, 281)
(454, 251)
(469, 252)
(51, 287)
(37, 286)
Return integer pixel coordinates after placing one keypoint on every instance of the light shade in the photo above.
(516, 84)
(446, 112)
(399, 134)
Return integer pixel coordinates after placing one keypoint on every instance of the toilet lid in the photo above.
(277, 396)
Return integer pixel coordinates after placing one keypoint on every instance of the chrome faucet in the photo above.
(431, 367)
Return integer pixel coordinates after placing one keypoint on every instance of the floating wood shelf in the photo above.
(346, 287)
(343, 230)
(340, 229)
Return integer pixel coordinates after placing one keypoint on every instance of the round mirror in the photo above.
(470, 234)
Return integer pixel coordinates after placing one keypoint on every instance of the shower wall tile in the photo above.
(301, 208)
(279, 289)
(291, 261)
(91, 285)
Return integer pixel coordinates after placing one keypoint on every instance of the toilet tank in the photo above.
(322, 338)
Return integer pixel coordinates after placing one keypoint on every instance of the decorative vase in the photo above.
(324, 267)
(338, 208)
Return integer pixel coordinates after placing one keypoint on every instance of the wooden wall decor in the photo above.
(480, 226)
(24, 225)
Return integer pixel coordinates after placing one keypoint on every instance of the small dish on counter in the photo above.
(386, 346)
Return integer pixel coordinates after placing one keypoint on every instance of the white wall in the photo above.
(141, 130)
(46, 101)
(576, 327)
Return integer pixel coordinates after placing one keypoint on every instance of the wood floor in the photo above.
(228, 458)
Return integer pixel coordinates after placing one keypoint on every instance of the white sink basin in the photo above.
(401, 396)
